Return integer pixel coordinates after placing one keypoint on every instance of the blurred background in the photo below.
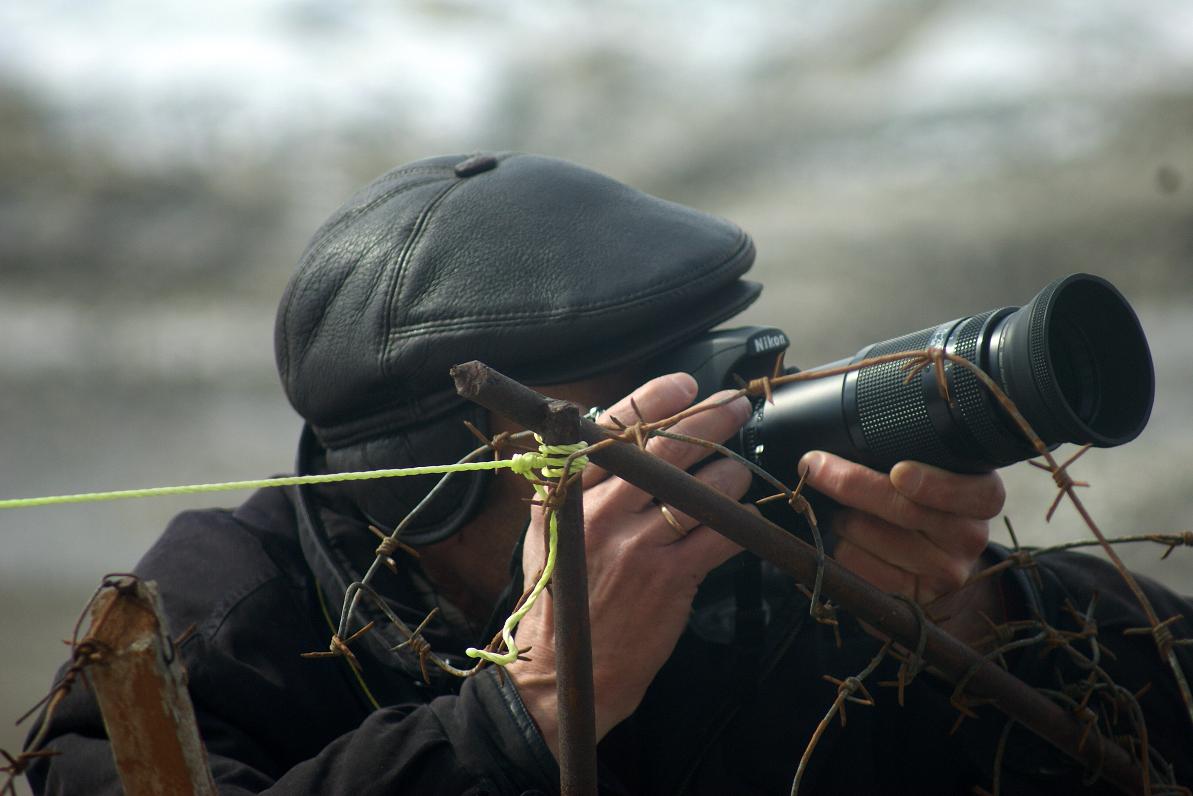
(899, 164)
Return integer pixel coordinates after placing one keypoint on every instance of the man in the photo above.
(571, 281)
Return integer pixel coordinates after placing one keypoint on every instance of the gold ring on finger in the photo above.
(674, 523)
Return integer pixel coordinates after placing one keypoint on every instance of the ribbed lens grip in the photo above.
(892, 415)
(999, 443)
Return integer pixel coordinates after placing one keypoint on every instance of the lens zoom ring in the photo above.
(970, 395)
(1037, 342)
(893, 416)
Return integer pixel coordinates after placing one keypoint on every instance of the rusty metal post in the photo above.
(141, 688)
(573, 639)
(952, 658)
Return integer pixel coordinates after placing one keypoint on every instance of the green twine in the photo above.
(553, 459)
(516, 464)
(550, 461)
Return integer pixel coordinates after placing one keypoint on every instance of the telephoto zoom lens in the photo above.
(1074, 360)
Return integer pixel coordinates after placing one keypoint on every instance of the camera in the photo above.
(1074, 360)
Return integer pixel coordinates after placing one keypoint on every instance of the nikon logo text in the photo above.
(771, 341)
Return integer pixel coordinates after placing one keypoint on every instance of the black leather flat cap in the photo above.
(545, 270)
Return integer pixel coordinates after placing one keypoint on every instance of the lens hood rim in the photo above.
(1040, 316)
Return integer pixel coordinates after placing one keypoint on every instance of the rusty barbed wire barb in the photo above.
(845, 692)
(419, 645)
(1004, 632)
(498, 443)
(934, 358)
(1089, 719)
(1171, 541)
(408, 633)
(825, 613)
(965, 704)
(768, 391)
(1060, 475)
(1185, 538)
(16, 767)
(1006, 520)
(911, 663)
(1160, 632)
(848, 687)
(1018, 559)
(818, 608)
(338, 648)
(1027, 561)
(388, 546)
(1089, 630)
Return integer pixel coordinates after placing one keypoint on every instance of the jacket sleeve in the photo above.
(456, 745)
(274, 722)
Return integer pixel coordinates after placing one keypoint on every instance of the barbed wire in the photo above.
(1156, 776)
(1096, 700)
(640, 432)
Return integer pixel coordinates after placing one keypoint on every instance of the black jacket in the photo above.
(730, 712)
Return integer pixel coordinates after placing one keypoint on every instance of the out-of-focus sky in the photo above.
(899, 164)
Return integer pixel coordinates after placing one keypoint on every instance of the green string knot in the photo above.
(549, 460)
(525, 463)
(552, 462)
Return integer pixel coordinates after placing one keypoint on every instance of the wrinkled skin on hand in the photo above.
(642, 574)
(918, 531)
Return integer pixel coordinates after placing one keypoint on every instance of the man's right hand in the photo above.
(642, 571)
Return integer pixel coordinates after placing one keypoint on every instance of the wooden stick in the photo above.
(140, 685)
